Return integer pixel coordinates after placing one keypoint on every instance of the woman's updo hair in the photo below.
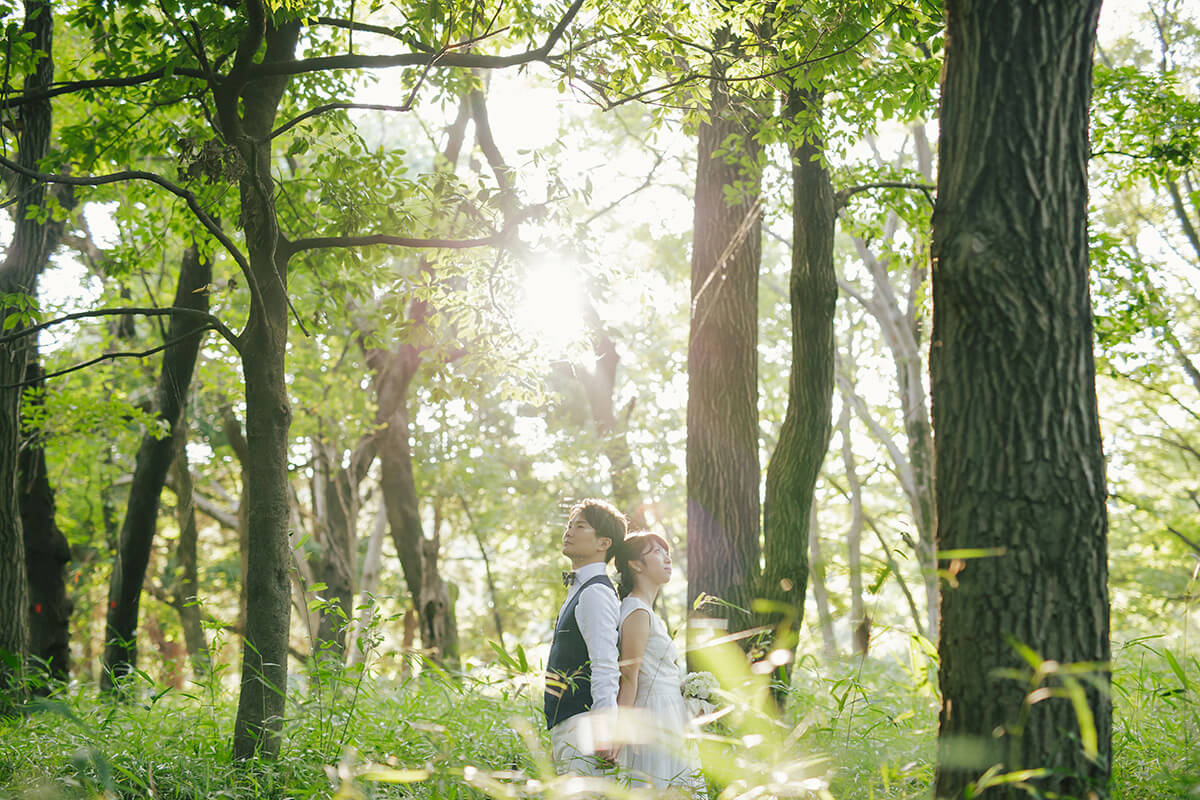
(636, 545)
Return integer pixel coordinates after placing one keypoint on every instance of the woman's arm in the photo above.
(635, 633)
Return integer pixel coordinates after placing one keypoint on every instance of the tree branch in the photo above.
(440, 58)
(320, 242)
(340, 106)
(843, 195)
(213, 323)
(110, 356)
(96, 83)
(139, 175)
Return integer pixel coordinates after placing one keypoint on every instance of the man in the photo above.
(581, 673)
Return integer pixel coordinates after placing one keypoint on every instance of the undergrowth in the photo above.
(855, 730)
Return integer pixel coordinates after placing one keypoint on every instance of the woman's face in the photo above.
(656, 563)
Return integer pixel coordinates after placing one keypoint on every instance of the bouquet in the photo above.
(700, 693)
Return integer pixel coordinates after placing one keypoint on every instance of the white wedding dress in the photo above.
(662, 756)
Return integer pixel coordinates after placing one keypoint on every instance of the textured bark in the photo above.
(232, 427)
(186, 590)
(263, 346)
(722, 411)
(336, 507)
(1019, 463)
(153, 461)
(24, 261)
(807, 423)
(46, 555)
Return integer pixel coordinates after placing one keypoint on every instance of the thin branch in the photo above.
(139, 175)
(110, 356)
(26, 98)
(354, 25)
(843, 195)
(440, 58)
(491, 151)
(340, 106)
(320, 242)
(158, 311)
(658, 160)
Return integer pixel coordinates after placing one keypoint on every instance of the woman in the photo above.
(662, 757)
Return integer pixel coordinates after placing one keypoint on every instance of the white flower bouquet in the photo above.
(700, 693)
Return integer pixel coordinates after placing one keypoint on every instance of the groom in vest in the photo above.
(582, 673)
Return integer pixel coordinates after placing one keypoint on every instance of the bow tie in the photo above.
(568, 578)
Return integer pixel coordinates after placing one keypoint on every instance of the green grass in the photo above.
(855, 730)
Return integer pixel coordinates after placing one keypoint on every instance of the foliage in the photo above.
(855, 728)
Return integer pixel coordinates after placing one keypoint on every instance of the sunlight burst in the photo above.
(550, 309)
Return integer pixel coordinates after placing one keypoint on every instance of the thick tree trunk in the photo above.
(722, 411)
(24, 261)
(1020, 473)
(807, 423)
(46, 555)
(154, 459)
(263, 345)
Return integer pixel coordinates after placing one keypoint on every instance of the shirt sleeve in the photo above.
(597, 618)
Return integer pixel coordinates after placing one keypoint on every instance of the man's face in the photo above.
(580, 542)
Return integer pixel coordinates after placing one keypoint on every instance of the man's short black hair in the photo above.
(606, 519)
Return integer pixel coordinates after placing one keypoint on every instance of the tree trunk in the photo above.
(1020, 472)
(355, 645)
(394, 371)
(336, 504)
(154, 459)
(600, 385)
(186, 589)
(263, 345)
(807, 423)
(722, 410)
(232, 428)
(46, 555)
(24, 261)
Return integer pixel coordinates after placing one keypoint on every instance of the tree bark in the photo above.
(26, 257)
(154, 459)
(1020, 472)
(46, 555)
(394, 371)
(336, 507)
(722, 409)
(263, 346)
(807, 424)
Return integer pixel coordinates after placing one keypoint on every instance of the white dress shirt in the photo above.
(597, 617)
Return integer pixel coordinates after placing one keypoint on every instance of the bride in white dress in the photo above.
(659, 753)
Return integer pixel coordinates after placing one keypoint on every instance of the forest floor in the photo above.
(855, 729)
